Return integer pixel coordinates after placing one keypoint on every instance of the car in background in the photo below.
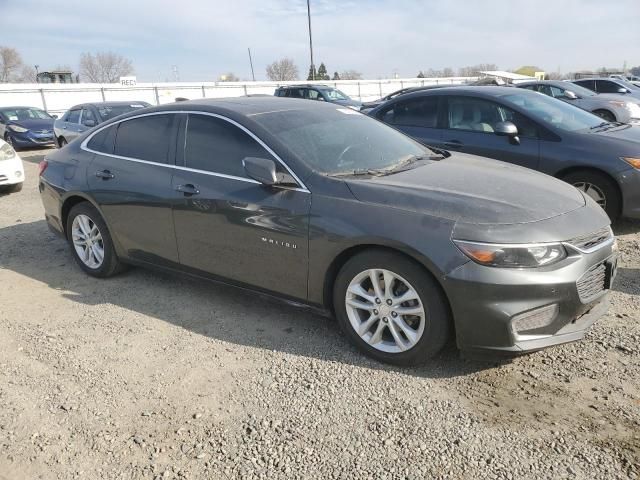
(628, 78)
(26, 127)
(610, 85)
(80, 118)
(323, 93)
(366, 106)
(531, 130)
(11, 169)
(612, 107)
(323, 205)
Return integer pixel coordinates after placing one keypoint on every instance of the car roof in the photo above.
(306, 85)
(480, 91)
(107, 104)
(20, 106)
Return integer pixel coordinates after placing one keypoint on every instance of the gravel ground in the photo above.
(155, 376)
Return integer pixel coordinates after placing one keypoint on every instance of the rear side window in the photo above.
(104, 140)
(215, 145)
(417, 112)
(145, 138)
(590, 84)
(74, 116)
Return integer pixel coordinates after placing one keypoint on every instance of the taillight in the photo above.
(42, 166)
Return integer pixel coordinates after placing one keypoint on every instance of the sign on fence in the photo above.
(128, 81)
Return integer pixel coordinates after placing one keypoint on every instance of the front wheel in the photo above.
(12, 144)
(391, 308)
(62, 142)
(600, 188)
(90, 241)
(605, 115)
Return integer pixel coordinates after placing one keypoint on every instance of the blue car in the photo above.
(26, 127)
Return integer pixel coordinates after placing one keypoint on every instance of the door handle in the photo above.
(105, 175)
(453, 144)
(188, 189)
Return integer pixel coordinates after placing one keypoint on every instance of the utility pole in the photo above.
(313, 68)
(37, 72)
(253, 75)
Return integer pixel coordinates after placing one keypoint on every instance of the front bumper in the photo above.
(629, 182)
(486, 301)
(11, 171)
(32, 138)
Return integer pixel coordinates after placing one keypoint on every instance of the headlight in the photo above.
(634, 162)
(17, 128)
(634, 109)
(512, 255)
(6, 152)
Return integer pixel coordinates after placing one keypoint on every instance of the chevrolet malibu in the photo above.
(320, 204)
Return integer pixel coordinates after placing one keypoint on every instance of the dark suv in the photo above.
(322, 93)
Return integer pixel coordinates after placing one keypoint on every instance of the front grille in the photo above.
(3, 178)
(591, 241)
(592, 283)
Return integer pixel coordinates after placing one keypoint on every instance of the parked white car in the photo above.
(11, 169)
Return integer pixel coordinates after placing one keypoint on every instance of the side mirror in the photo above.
(622, 90)
(569, 95)
(507, 129)
(264, 171)
(89, 123)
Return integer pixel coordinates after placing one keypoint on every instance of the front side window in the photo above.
(335, 94)
(315, 95)
(88, 118)
(216, 145)
(417, 112)
(473, 114)
(145, 138)
(74, 116)
(607, 86)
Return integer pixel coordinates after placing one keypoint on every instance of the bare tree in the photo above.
(350, 75)
(229, 77)
(474, 70)
(283, 69)
(104, 67)
(448, 72)
(10, 64)
(28, 74)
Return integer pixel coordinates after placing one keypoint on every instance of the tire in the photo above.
(429, 331)
(597, 185)
(110, 264)
(9, 140)
(605, 115)
(16, 187)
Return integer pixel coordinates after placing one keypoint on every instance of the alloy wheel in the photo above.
(594, 192)
(385, 310)
(87, 241)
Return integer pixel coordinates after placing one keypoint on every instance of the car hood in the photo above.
(35, 123)
(472, 190)
(626, 133)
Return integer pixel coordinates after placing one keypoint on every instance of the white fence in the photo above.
(57, 98)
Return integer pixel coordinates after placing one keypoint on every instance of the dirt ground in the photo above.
(147, 375)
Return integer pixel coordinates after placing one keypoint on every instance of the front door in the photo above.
(130, 178)
(470, 123)
(229, 225)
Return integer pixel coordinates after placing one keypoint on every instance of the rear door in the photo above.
(470, 125)
(229, 225)
(130, 178)
(71, 127)
(418, 117)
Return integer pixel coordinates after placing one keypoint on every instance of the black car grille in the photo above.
(591, 241)
(592, 283)
(3, 178)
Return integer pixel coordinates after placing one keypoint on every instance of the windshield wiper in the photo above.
(356, 173)
(379, 172)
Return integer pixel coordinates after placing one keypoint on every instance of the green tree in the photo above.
(336, 76)
(313, 75)
(420, 74)
(322, 73)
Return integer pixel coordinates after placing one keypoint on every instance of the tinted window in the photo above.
(215, 145)
(590, 84)
(145, 138)
(417, 112)
(87, 115)
(526, 128)
(103, 140)
(605, 86)
(74, 116)
(315, 95)
(296, 92)
(474, 114)
(107, 112)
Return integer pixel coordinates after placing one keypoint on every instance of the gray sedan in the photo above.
(613, 107)
(80, 118)
(611, 85)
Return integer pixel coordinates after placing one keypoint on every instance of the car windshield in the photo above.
(628, 84)
(334, 94)
(341, 140)
(110, 111)
(550, 111)
(18, 114)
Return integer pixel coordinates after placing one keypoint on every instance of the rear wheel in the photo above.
(606, 115)
(90, 241)
(390, 308)
(600, 188)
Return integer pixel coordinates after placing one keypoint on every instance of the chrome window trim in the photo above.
(302, 187)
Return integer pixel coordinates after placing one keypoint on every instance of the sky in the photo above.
(206, 38)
